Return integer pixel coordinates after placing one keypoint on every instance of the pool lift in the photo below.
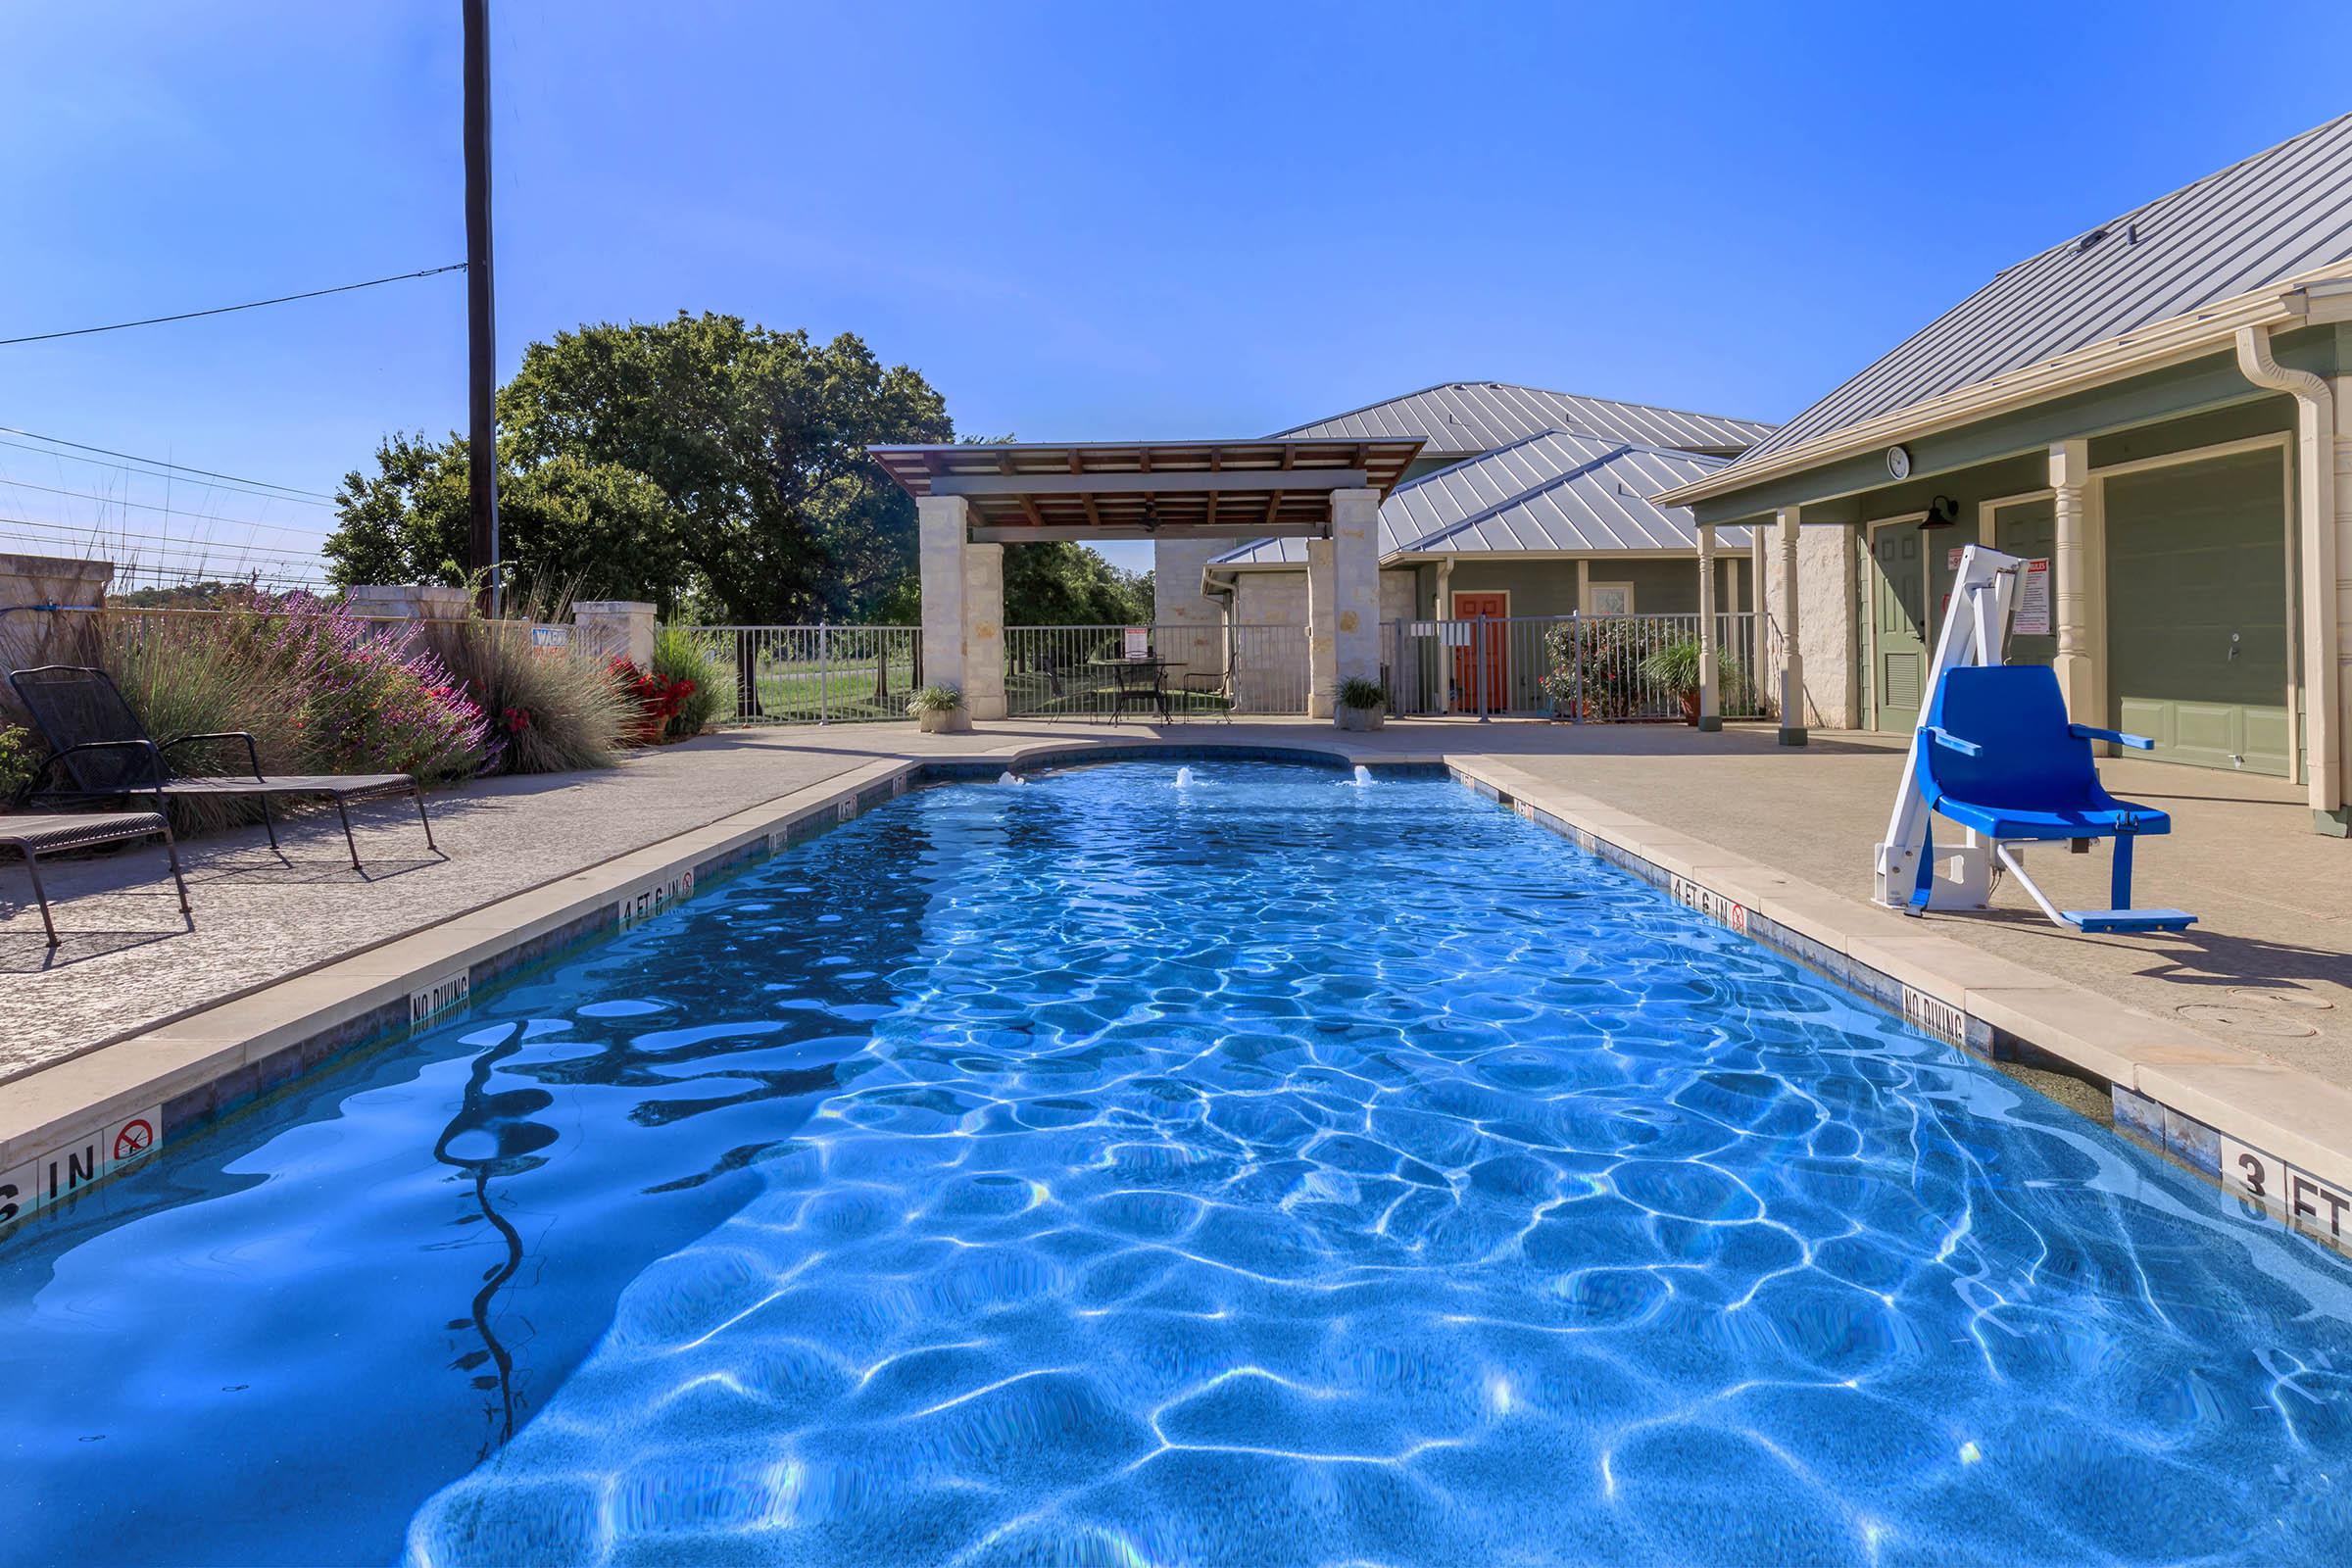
(1995, 754)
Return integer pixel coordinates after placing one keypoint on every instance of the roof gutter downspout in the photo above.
(2326, 722)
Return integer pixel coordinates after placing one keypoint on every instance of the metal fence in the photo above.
(812, 675)
(1190, 671)
(1584, 668)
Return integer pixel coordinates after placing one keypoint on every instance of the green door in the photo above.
(2196, 610)
(2028, 530)
(1898, 613)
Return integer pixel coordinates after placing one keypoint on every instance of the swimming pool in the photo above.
(1263, 1170)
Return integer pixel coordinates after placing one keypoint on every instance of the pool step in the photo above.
(2128, 919)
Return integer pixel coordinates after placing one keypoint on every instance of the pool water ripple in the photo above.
(1259, 1172)
(1298, 1201)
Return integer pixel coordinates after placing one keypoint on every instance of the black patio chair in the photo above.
(32, 836)
(102, 752)
(1140, 682)
(1217, 687)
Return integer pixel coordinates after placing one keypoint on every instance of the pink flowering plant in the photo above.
(373, 699)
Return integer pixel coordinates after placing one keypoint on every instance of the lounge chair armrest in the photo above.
(253, 753)
(1948, 740)
(2092, 732)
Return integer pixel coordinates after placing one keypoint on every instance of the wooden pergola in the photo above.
(1033, 491)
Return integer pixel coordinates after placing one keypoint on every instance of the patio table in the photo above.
(1126, 688)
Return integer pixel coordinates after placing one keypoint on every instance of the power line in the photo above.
(131, 467)
(163, 462)
(224, 310)
(105, 535)
(150, 506)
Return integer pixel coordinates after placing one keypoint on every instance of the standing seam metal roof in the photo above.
(1552, 491)
(2274, 214)
(1477, 417)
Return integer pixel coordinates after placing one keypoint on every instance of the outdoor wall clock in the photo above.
(1898, 462)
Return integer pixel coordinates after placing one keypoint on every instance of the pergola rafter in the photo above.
(1147, 490)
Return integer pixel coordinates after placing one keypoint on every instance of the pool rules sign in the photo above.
(81, 1162)
(2033, 615)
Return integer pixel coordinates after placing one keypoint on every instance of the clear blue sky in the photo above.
(1085, 219)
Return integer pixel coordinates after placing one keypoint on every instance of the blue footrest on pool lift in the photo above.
(2128, 919)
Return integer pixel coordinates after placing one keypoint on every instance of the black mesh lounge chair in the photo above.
(101, 751)
(35, 835)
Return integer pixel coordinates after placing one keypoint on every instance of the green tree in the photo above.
(696, 456)
(1062, 584)
(758, 440)
(596, 529)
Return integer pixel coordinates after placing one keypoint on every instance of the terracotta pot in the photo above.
(1690, 708)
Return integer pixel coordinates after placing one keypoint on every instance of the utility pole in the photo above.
(481, 328)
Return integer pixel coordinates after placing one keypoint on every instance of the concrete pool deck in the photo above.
(293, 959)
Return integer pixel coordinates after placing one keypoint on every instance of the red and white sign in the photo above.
(132, 1139)
(2033, 617)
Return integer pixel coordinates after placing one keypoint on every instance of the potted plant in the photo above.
(939, 710)
(1361, 702)
(1676, 665)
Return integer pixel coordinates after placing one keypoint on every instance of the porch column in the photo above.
(1711, 700)
(2069, 479)
(1356, 585)
(984, 630)
(1322, 646)
(944, 530)
(1793, 662)
(1443, 610)
(1759, 671)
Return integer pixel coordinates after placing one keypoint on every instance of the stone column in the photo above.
(401, 600)
(1356, 585)
(31, 635)
(1322, 642)
(984, 630)
(2070, 568)
(1711, 699)
(1792, 659)
(611, 628)
(943, 525)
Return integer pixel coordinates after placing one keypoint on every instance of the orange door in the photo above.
(1468, 607)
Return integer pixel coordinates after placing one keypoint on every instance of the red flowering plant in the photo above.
(657, 698)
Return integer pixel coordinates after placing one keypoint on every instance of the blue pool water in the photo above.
(1267, 1171)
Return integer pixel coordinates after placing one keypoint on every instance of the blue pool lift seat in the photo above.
(1996, 753)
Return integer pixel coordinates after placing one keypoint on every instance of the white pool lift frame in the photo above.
(1975, 631)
